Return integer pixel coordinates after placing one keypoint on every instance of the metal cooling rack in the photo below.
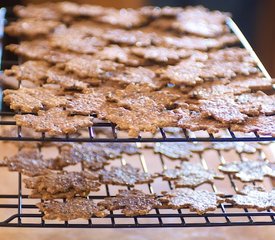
(26, 214)
(21, 211)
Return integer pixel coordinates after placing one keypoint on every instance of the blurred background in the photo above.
(256, 19)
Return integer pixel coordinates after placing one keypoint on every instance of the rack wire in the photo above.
(22, 212)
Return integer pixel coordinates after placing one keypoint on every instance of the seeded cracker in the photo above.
(46, 11)
(54, 122)
(136, 97)
(131, 38)
(190, 175)
(253, 83)
(161, 54)
(30, 27)
(223, 110)
(125, 18)
(40, 50)
(65, 80)
(199, 43)
(90, 67)
(216, 88)
(201, 22)
(178, 150)
(138, 75)
(156, 12)
(125, 175)
(232, 54)
(94, 156)
(62, 185)
(196, 122)
(132, 202)
(90, 102)
(262, 125)
(265, 103)
(34, 71)
(28, 162)
(248, 171)
(80, 10)
(34, 49)
(77, 42)
(240, 147)
(190, 72)
(119, 54)
(30, 100)
(200, 201)
(254, 197)
(71, 209)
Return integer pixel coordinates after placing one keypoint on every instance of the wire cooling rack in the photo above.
(22, 212)
(17, 210)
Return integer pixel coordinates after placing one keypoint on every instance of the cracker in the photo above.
(223, 110)
(178, 150)
(132, 202)
(240, 147)
(94, 156)
(54, 122)
(131, 38)
(29, 100)
(161, 54)
(62, 185)
(34, 49)
(90, 102)
(254, 197)
(34, 71)
(201, 22)
(190, 175)
(191, 72)
(255, 84)
(90, 67)
(119, 54)
(198, 122)
(248, 171)
(125, 175)
(264, 103)
(137, 75)
(125, 18)
(147, 118)
(233, 54)
(45, 11)
(71, 209)
(40, 50)
(77, 41)
(29, 162)
(199, 43)
(65, 80)
(134, 96)
(155, 12)
(30, 27)
(138, 108)
(216, 88)
(80, 10)
(200, 201)
(264, 125)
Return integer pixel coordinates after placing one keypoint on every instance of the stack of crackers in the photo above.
(141, 70)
